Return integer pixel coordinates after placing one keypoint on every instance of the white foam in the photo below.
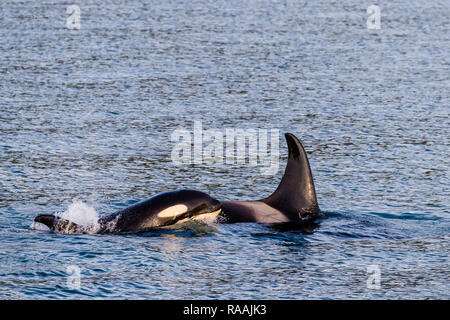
(82, 214)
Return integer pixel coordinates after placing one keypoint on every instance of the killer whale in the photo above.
(166, 209)
(294, 201)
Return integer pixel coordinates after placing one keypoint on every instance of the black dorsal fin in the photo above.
(296, 193)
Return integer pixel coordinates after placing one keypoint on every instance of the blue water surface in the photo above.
(88, 114)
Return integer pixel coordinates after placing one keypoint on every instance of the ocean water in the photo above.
(86, 118)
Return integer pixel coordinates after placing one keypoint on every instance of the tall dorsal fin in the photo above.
(295, 193)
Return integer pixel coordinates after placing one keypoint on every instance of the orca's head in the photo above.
(186, 205)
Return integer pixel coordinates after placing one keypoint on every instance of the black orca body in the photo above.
(165, 209)
(294, 200)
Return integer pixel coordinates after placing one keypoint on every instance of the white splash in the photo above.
(82, 214)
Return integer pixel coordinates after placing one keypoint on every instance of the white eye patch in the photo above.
(173, 211)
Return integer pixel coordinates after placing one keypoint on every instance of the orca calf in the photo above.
(294, 201)
(166, 209)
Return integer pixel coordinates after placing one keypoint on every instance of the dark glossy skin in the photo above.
(133, 218)
(142, 215)
(293, 201)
